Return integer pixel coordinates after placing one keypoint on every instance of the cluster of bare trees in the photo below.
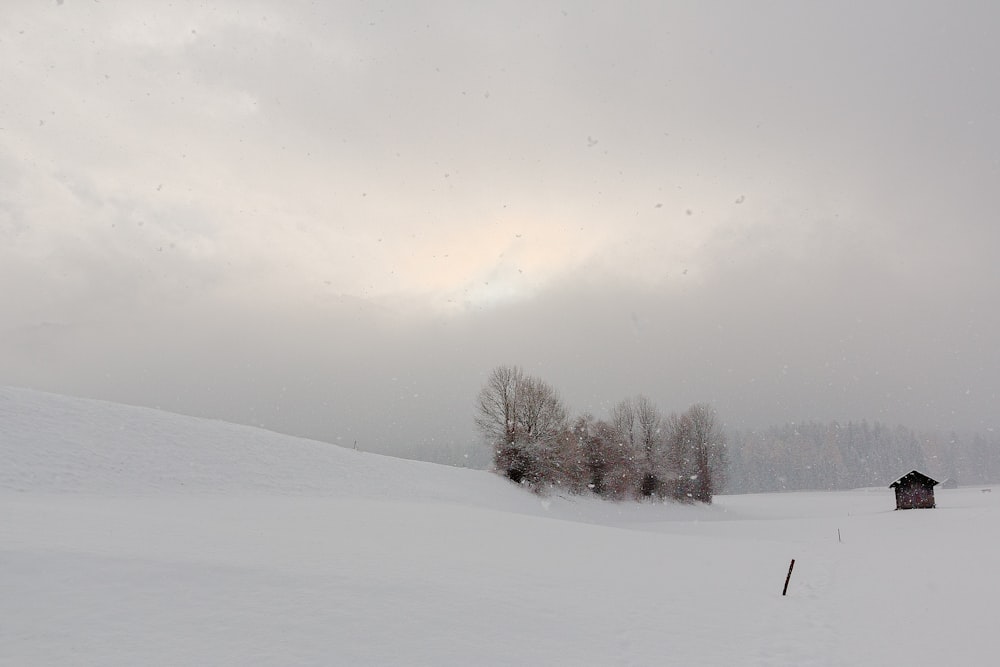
(637, 452)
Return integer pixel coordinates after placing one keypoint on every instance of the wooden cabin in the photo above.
(914, 490)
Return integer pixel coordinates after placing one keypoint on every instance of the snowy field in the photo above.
(134, 537)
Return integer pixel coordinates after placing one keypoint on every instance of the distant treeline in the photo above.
(854, 455)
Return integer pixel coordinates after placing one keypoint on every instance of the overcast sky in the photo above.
(333, 219)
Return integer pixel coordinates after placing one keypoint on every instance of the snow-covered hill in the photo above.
(70, 445)
(131, 536)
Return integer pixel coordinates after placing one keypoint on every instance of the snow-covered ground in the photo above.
(134, 537)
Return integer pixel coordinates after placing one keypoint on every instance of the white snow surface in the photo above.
(130, 536)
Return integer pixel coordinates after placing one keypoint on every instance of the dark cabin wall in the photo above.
(914, 496)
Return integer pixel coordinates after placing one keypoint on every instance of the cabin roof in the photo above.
(914, 476)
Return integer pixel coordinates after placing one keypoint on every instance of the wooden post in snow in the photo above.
(788, 578)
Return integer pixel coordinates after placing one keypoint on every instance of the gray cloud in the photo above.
(333, 220)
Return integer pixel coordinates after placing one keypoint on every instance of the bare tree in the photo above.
(496, 408)
(522, 418)
(638, 424)
(624, 422)
(696, 453)
(564, 462)
(608, 464)
(623, 476)
(541, 413)
(496, 417)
